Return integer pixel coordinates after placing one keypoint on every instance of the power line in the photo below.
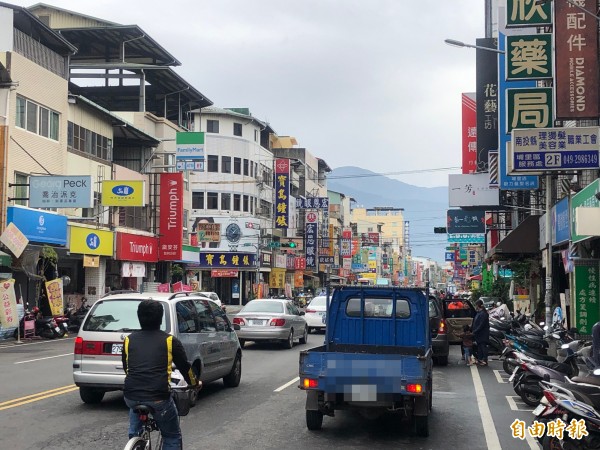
(385, 174)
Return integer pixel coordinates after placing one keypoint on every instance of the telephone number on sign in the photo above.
(557, 160)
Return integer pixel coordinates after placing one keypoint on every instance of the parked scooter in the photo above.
(76, 317)
(45, 327)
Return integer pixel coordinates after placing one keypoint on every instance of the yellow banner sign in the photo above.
(54, 288)
(372, 264)
(8, 315)
(277, 278)
(89, 241)
(123, 193)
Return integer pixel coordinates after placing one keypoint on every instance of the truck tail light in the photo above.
(277, 322)
(414, 388)
(309, 383)
(442, 328)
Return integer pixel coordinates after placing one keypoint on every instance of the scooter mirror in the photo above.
(542, 324)
(597, 372)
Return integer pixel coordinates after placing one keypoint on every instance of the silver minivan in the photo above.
(208, 337)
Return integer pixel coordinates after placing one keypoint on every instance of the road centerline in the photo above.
(41, 359)
(286, 385)
(489, 430)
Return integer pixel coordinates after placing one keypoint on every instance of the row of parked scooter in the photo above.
(51, 327)
(564, 388)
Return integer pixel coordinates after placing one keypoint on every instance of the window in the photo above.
(212, 162)
(255, 135)
(226, 164)
(251, 169)
(122, 314)
(378, 307)
(81, 139)
(187, 318)
(237, 129)
(237, 203)
(237, 166)
(245, 203)
(186, 215)
(197, 200)
(37, 119)
(245, 167)
(20, 191)
(458, 309)
(252, 205)
(225, 201)
(206, 321)
(221, 319)
(212, 200)
(212, 126)
(96, 211)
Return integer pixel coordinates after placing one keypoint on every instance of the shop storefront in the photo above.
(136, 255)
(217, 274)
(40, 228)
(97, 243)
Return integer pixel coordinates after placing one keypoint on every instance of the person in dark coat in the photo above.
(481, 332)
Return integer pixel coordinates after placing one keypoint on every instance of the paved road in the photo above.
(39, 408)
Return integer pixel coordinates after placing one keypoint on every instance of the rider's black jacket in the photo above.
(147, 360)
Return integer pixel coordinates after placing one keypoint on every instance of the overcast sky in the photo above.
(367, 83)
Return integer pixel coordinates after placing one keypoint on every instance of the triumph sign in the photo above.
(171, 216)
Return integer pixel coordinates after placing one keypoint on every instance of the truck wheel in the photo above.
(314, 420)
(421, 424)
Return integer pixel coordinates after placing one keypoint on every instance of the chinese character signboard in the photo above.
(14, 240)
(208, 232)
(227, 260)
(554, 149)
(529, 108)
(561, 226)
(310, 240)
(507, 182)
(471, 190)
(8, 316)
(224, 273)
(487, 101)
(529, 57)
(312, 203)
(54, 289)
(587, 277)
(330, 260)
(123, 193)
(60, 192)
(576, 46)
(277, 278)
(467, 238)
(522, 13)
(463, 221)
(469, 133)
(282, 192)
(171, 216)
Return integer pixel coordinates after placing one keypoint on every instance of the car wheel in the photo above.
(442, 360)
(91, 396)
(232, 379)
(314, 420)
(304, 337)
(194, 394)
(242, 342)
(310, 330)
(421, 425)
(289, 342)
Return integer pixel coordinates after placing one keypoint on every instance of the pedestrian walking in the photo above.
(481, 333)
(467, 344)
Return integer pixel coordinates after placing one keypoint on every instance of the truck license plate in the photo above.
(512, 377)
(117, 349)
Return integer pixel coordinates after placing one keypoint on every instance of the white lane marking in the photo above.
(512, 402)
(15, 345)
(41, 359)
(533, 443)
(489, 430)
(499, 376)
(288, 384)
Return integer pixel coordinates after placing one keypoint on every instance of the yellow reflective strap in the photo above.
(169, 357)
(126, 350)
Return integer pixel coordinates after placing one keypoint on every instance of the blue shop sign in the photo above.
(39, 226)
(227, 260)
(561, 224)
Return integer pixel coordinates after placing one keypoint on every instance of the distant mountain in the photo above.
(425, 208)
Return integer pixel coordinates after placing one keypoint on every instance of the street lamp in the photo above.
(456, 43)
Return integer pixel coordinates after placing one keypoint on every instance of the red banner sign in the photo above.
(132, 247)
(469, 133)
(224, 273)
(300, 263)
(171, 216)
(576, 43)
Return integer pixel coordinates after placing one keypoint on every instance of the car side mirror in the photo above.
(236, 327)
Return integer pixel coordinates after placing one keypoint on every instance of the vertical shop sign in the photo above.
(487, 101)
(576, 44)
(282, 192)
(587, 277)
(469, 133)
(310, 244)
(171, 216)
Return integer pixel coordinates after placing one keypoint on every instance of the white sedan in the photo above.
(315, 314)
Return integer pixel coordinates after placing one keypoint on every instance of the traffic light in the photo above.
(439, 230)
(290, 244)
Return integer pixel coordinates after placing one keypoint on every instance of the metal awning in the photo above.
(523, 240)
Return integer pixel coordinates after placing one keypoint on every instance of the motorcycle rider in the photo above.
(147, 356)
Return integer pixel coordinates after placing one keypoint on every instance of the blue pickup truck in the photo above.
(377, 357)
